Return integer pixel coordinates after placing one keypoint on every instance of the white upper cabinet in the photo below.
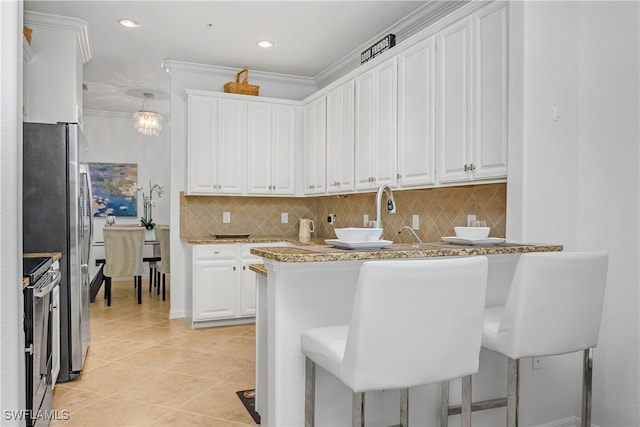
(217, 141)
(376, 127)
(340, 138)
(53, 77)
(416, 115)
(490, 101)
(271, 148)
(472, 98)
(454, 101)
(315, 117)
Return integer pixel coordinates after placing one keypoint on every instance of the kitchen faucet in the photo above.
(406, 227)
(391, 204)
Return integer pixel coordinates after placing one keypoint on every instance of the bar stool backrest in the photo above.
(415, 322)
(123, 251)
(554, 304)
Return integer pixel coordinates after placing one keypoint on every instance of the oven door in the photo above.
(38, 343)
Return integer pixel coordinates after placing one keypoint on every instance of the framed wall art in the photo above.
(113, 187)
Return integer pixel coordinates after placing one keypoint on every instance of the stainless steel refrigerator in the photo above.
(57, 218)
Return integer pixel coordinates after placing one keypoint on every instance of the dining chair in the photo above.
(413, 322)
(164, 265)
(123, 256)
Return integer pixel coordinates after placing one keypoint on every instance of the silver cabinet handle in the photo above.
(234, 268)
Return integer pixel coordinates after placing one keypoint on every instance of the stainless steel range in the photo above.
(38, 332)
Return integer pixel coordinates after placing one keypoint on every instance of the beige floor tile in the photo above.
(158, 357)
(167, 389)
(215, 366)
(182, 418)
(216, 401)
(143, 369)
(113, 411)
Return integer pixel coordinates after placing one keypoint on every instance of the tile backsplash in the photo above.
(439, 210)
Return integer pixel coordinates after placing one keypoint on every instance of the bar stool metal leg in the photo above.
(466, 401)
(404, 407)
(587, 376)
(513, 390)
(357, 410)
(444, 404)
(309, 393)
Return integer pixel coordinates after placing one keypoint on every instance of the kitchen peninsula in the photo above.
(314, 285)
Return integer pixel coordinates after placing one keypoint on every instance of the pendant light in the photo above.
(147, 122)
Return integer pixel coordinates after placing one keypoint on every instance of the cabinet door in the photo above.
(416, 115)
(259, 148)
(386, 153)
(454, 102)
(365, 134)
(232, 140)
(214, 293)
(202, 171)
(340, 138)
(283, 144)
(247, 297)
(490, 107)
(376, 127)
(315, 146)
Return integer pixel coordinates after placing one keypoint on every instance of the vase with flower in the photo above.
(149, 204)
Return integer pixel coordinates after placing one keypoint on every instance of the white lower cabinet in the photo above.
(223, 287)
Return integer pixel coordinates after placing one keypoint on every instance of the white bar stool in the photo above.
(554, 307)
(414, 322)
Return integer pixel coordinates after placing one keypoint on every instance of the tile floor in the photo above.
(143, 369)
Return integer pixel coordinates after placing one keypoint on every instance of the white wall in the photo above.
(575, 181)
(12, 387)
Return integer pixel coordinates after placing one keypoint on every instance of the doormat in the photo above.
(248, 399)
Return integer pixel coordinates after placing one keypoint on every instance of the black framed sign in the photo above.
(382, 45)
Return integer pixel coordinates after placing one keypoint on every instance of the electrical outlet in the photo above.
(331, 218)
(537, 363)
(226, 217)
(284, 218)
(415, 222)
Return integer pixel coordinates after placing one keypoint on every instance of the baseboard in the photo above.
(176, 314)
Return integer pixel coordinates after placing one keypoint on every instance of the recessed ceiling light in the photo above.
(265, 43)
(129, 23)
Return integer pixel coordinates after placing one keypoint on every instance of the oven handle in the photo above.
(41, 292)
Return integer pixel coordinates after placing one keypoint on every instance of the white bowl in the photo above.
(472, 232)
(356, 234)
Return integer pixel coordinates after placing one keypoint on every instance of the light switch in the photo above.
(415, 222)
(226, 217)
(284, 217)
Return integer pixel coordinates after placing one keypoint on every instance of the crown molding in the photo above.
(62, 23)
(408, 26)
(170, 66)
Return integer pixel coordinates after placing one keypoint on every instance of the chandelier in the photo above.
(146, 121)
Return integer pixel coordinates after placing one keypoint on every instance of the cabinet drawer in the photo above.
(211, 252)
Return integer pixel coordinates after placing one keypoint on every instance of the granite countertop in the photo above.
(199, 240)
(259, 269)
(323, 253)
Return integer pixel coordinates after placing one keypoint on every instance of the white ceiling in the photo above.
(310, 36)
